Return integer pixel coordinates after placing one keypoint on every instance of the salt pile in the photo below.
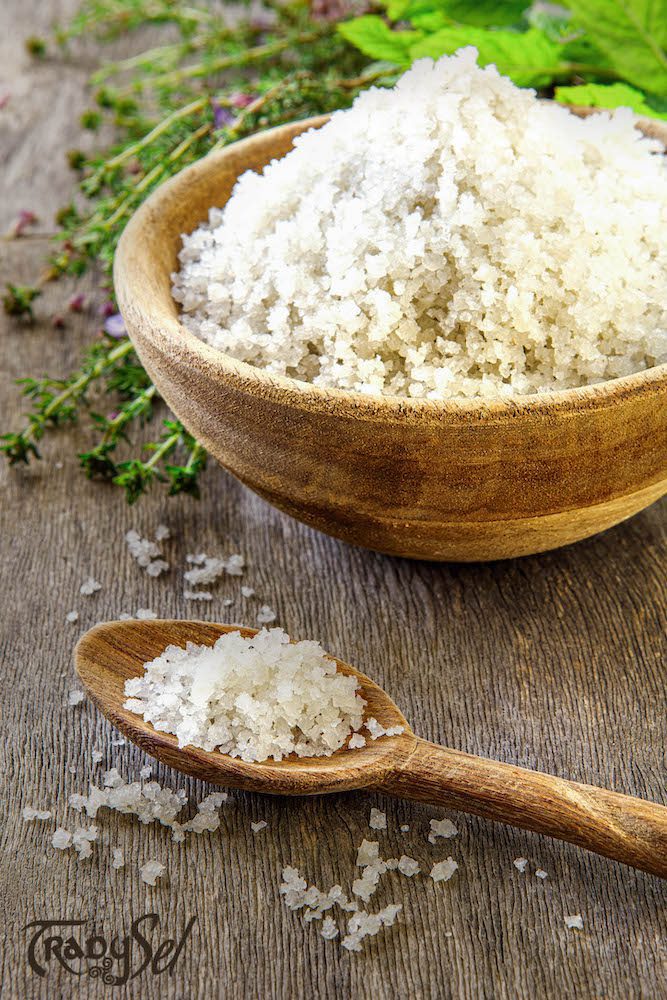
(254, 698)
(451, 237)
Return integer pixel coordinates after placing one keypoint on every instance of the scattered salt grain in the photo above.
(96, 756)
(405, 828)
(256, 827)
(253, 698)
(75, 697)
(89, 586)
(329, 930)
(377, 730)
(151, 871)
(72, 616)
(368, 853)
(392, 864)
(30, 814)
(227, 603)
(441, 828)
(443, 870)
(266, 615)
(424, 277)
(162, 533)
(118, 742)
(540, 873)
(357, 741)
(156, 567)
(378, 820)
(520, 864)
(247, 592)
(362, 924)
(574, 922)
(61, 839)
(117, 858)
(124, 617)
(141, 549)
(408, 866)
(197, 595)
(82, 840)
(146, 771)
(145, 614)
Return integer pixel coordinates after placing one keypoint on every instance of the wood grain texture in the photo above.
(459, 480)
(554, 662)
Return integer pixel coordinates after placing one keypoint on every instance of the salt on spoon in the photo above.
(626, 829)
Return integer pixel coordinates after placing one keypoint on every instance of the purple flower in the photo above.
(221, 116)
(107, 309)
(114, 326)
(241, 100)
(58, 322)
(26, 218)
(76, 303)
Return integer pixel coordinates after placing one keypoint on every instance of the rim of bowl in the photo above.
(253, 379)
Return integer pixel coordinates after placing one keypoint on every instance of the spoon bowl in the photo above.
(110, 653)
(628, 829)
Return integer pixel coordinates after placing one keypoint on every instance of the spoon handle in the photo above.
(626, 829)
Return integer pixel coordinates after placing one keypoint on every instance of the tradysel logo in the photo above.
(115, 960)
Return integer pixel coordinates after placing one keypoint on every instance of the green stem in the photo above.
(157, 54)
(195, 455)
(243, 58)
(128, 414)
(84, 380)
(163, 449)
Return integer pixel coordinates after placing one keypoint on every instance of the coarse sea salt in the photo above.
(441, 828)
(378, 820)
(520, 864)
(255, 698)
(453, 236)
(30, 814)
(151, 871)
(574, 922)
(443, 870)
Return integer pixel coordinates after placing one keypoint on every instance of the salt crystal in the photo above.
(574, 922)
(96, 756)
(61, 839)
(118, 858)
(356, 741)
(540, 873)
(408, 866)
(146, 771)
(441, 828)
(405, 828)
(31, 814)
(89, 586)
(162, 533)
(145, 614)
(378, 820)
(520, 864)
(197, 595)
(256, 827)
(265, 615)
(247, 592)
(329, 930)
(367, 853)
(151, 871)
(156, 567)
(443, 870)
(72, 616)
(75, 697)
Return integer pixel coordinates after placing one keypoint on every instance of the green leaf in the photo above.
(530, 59)
(633, 34)
(613, 95)
(485, 13)
(372, 36)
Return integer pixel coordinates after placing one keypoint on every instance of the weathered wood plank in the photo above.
(556, 662)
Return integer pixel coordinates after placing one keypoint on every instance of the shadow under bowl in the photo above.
(463, 480)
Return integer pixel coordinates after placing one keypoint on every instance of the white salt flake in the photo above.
(520, 864)
(329, 930)
(157, 567)
(247, 592)
(96, 755)
(61, 839)
(197, 595)
(378, 820)
(89, 586)
(256, 827)
(266, 615)
(75, 697)
(146, 771)
(540, 873)
(441, 828)
(82, 841)
(162, 533)
(72, 616)
(405, 828)
(574, 922)
(356, 742)
(408, 866)
(30, 814)
(151, 871)
(117, 858)
(443, 870)
(145, 614)
(368, 853)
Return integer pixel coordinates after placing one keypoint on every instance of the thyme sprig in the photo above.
(170, 104)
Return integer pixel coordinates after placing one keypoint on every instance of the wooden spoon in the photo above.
(627, 829)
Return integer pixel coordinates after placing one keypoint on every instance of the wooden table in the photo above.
(554, 662)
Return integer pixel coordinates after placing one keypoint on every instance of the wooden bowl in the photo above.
(460, 480)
